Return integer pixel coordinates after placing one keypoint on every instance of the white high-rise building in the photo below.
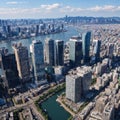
(78, 82)
(73, 87)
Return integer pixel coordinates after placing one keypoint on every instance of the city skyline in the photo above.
(72, 62)
(15, 9)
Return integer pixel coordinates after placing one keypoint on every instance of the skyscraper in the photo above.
(73, 87)
(78, 82)
(22, 60)
(86, 45)
(38, 61)
(96, 50)
(49, 52)
(9, 69)
(110, 50)
(59, 52)
(9, 29)
(75, 52)
(86, 74)
(37, 29)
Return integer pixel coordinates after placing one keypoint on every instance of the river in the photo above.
(53, 108)
(65, 36)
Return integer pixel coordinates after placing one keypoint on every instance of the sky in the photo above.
(16, 9)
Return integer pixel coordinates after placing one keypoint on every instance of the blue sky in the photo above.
(54, 8)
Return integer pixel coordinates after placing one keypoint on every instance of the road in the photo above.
(28, 104)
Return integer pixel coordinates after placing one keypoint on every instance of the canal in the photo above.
(53, 108)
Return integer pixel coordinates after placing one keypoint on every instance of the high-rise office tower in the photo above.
(4, 29)
(38, 61)
(78, 82)
(9, 69)
(96, 50)
(22, 60)
(86, 45)
(9, 29)
(18, 29)
(110, 50)
(49, 52)
(86, 74)
(37, 29)
(52, 28)
(73, 87)
(59, 52)
(75, 52)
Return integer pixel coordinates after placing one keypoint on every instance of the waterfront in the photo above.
(53, 108)
(65, 36)
(55, 111)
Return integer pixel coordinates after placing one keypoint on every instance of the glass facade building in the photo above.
(22, 60)
(86, 45)
(38, 60)
(49, 52)
(59, 52)
(96, 50)
(75, 52)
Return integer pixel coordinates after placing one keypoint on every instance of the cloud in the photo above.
(58, 10)
(15, 11)
(109, 7)
(14, 3)
(104, 8)
(70, 9)
(51, 6)
(96, 8)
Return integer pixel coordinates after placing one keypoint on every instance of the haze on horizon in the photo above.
(12, 9)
